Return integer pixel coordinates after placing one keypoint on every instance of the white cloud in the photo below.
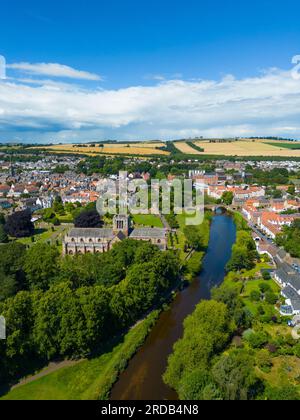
(53, 70)
(265, 105)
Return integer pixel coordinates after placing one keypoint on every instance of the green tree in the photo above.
(19, 224)
(234, 373)
(206, 332)
(194, 237)
(41, 266)
(271, 298)
(263, 360)
(227, 198)
(12, 278)
(58, 206)
(292, 190)
(2, 219)
(48, 215)
(255, 296)
(19, 346)
(3, 235)
(193, 385)
(258, 339)
(146, 253)
(241, 259)
(284, 393)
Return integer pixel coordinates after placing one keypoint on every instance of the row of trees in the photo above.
(244, 254)
(70, 307)
(276, 176)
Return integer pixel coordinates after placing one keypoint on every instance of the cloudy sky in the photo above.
(93, 71)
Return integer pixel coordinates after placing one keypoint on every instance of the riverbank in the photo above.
(90, 379)
(237, 346)
(191, 258)
(142, 380)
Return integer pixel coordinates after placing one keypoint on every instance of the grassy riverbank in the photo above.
(90, 379)
(192, 261)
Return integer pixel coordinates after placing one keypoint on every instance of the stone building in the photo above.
(94, 240)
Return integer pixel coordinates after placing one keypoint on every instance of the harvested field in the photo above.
(143, 149)
(246, 148)
(186, 148)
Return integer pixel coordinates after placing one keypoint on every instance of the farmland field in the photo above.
(142, 149)
(286, 145)
(186, 148)
(247, 148)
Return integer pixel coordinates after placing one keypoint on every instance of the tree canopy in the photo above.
(88, 219)
(19, 224)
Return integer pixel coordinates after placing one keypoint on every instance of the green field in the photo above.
(147, 220)
(291, 145)
(91, 379)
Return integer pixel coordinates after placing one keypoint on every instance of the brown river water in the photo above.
(142, 380)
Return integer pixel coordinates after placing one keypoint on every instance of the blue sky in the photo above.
(127, 47)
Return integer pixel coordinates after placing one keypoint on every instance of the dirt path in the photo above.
(52, 367)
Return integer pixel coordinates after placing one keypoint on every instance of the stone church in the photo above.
(94, 240)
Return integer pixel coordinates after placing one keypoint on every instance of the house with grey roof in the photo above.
(289, 280)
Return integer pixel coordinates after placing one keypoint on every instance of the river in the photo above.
(142, 380)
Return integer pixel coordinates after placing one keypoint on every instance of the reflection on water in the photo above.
(142, 380)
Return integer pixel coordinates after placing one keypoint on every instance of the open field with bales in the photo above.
(110, 149)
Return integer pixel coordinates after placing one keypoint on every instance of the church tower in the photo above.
(121, 224)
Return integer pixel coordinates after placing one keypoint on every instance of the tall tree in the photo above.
(19, 224)
(88, 219)
(41, 266)
(3, 235)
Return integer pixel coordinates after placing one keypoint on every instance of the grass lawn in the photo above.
(248, 286)
(232, 276)
(68, 218)
(285, 371)
(91, 379)
(148, 220)
(41, 235)
(254, 285)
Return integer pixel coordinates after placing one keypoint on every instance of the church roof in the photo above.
(91, 233)
(155, 233)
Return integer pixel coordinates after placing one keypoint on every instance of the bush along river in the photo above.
(142, 380)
